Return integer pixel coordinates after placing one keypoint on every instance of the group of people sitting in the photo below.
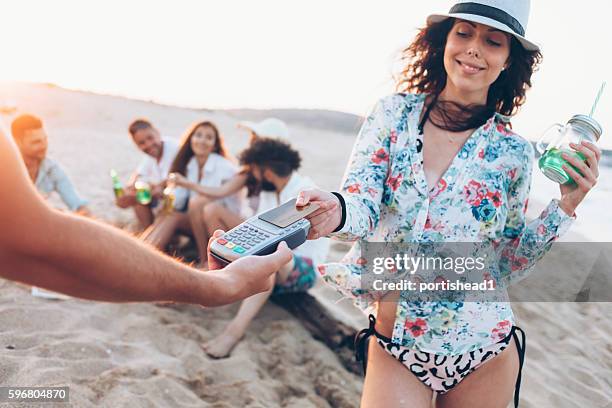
(213, 191)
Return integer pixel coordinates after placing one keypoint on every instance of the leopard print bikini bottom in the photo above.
(439, 372)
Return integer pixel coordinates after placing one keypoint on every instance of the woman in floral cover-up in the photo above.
(440, 163)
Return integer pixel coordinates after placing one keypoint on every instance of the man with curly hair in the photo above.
(274, 164)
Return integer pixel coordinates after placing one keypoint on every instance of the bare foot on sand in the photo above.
(221, 346)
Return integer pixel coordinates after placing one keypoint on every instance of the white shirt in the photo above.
(153, 171)
(314, 249)
(217, 170)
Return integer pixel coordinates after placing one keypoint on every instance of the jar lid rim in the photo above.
(590, 122)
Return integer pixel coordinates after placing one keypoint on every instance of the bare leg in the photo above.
(222, 345)
(490, 386)
(200, 234)
(160, 233)
(184, 224)
(388, 383)
(217, 216)
(144, 214)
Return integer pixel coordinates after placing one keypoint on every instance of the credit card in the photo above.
(287, 213)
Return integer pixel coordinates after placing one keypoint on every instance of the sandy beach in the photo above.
(141, 355)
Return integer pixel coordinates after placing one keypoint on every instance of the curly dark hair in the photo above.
(271, 153)
(423, 72)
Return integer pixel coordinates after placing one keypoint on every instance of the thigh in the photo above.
(388, 383)
(182, 222)
(490, 386)
(160, 232)
(145, 210)
(156, 224)
(196, 203)
(163, 222)
(216, 209)
(176, 221)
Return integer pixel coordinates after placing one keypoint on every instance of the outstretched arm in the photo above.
(230, 187)
(87, 259)
(66, 190)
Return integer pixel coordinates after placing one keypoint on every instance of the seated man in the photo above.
(273, 163)
(46, 174)
(153, 169)
(81, 257)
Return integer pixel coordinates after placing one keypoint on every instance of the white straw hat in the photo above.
(510, 16)
(270, 127)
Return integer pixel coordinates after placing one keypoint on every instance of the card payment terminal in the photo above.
(261, 234)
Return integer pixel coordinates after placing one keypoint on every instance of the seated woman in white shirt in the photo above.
(216, 214)
(201, 161)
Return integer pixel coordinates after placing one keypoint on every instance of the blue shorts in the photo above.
(184, 207)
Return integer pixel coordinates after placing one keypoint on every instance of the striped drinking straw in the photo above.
(603, 85)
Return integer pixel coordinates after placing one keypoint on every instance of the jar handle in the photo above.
(549, 134)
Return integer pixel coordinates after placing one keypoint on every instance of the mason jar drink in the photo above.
(143, 192)
(556, 140)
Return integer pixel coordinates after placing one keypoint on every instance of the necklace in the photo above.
(426, 119)
(447, 134)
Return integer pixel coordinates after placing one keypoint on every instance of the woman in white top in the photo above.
(201, 161)
(218, 215)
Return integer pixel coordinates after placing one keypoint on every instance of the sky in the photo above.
(321, 54)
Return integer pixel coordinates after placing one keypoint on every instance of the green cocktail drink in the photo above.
(551, 163)
(579, 128)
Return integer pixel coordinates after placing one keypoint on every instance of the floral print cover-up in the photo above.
(482, 197)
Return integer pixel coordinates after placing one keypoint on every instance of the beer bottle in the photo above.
(169, 194)
(117, 186)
